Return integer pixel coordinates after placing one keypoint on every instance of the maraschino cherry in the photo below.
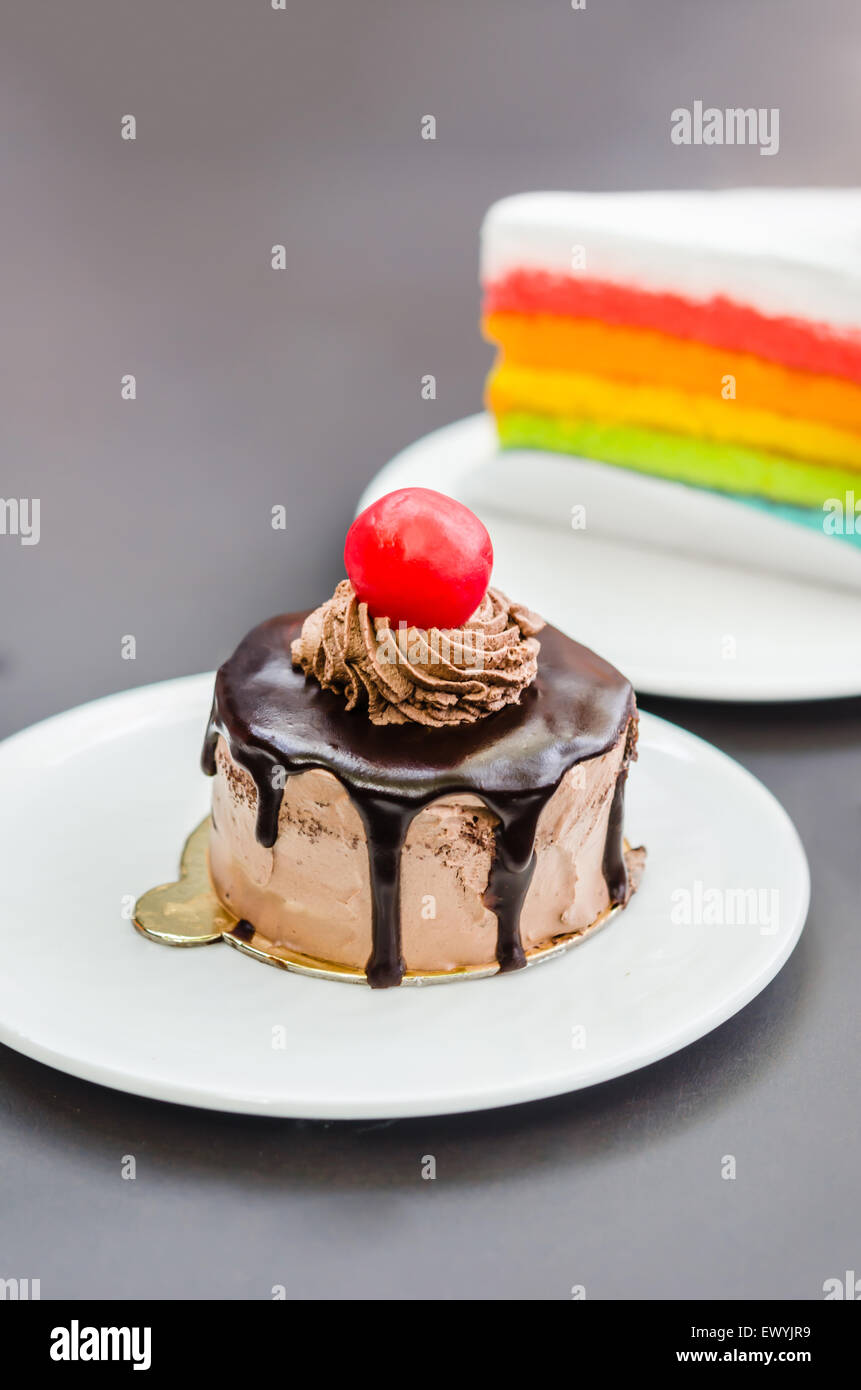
(419, 557)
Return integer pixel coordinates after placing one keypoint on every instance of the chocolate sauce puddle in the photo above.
(277, 723)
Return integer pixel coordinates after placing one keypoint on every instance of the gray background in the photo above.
(256, 388)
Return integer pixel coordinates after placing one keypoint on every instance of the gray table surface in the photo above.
(257, 388)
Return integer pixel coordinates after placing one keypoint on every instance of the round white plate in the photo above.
(683, 624)
(96, 805)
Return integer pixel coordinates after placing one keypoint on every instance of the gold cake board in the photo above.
(188, 913)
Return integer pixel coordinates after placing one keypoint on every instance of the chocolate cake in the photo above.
(415, 812)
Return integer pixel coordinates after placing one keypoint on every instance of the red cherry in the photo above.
(417, 556)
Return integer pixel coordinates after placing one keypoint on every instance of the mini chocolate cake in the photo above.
(373, 817)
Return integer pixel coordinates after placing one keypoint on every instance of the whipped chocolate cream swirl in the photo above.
(415, 675)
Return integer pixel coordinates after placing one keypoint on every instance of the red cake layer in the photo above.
(720, 321)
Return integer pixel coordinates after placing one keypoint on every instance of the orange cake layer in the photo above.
(642, 355)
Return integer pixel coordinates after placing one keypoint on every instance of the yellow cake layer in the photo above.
(559, 343)
(530, 390)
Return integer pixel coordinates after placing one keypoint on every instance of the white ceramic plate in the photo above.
(704, 625)
(96, 805)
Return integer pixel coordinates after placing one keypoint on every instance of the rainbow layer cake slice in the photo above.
(710, 338)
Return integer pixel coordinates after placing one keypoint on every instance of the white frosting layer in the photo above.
(782, 251)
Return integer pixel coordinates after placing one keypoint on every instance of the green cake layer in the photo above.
(722, 467)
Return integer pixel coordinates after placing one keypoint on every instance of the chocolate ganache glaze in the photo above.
(274, 717)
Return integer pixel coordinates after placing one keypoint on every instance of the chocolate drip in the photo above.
(277, 723)
(511, 873)
(614, 867)
(268, 775)
(386, 825)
